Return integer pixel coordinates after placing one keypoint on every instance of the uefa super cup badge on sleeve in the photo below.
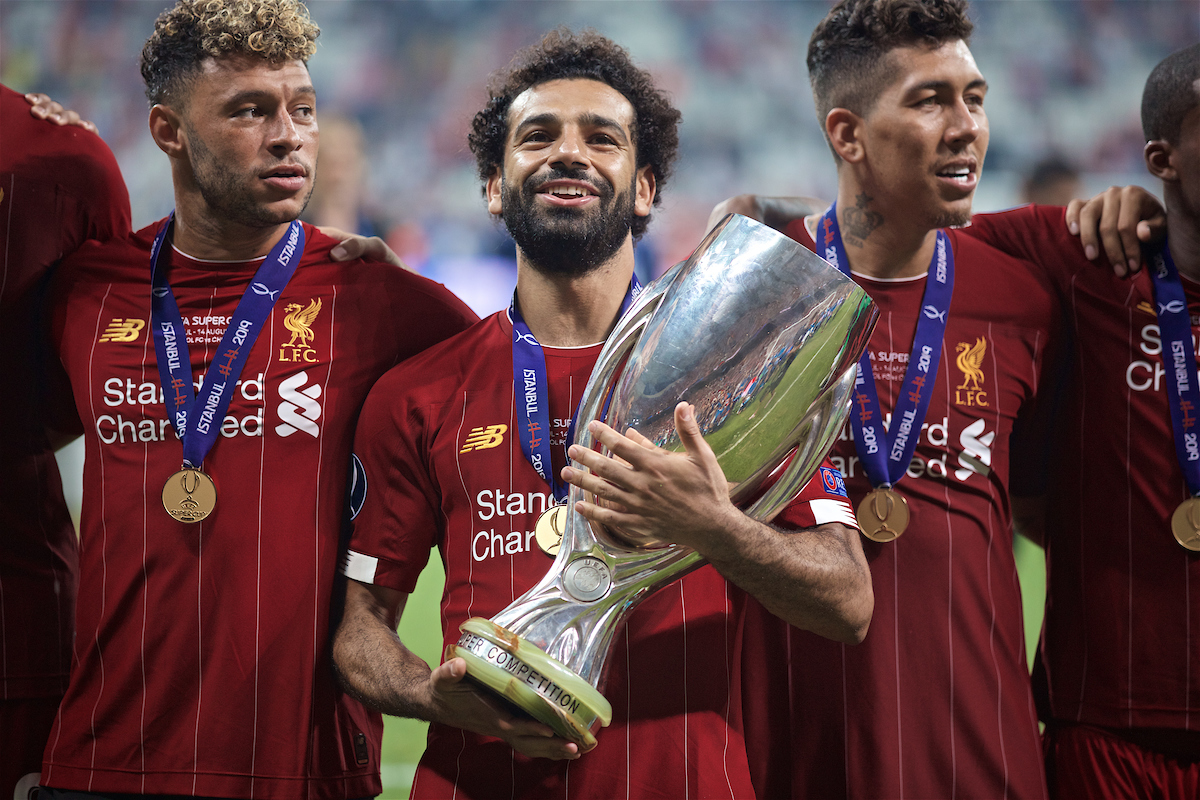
(762, 337)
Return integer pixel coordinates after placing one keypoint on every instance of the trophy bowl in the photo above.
(763, 337)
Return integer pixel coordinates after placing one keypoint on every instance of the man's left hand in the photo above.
(647, 491)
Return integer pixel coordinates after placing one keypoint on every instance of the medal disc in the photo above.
(550, 528)
(189, 495)
(883, 515)
(1185, 524)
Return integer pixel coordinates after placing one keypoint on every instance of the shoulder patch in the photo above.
(356, 493)
(831, 479)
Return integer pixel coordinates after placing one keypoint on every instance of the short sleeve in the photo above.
(822, 500)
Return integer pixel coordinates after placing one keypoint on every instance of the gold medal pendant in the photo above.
(189, 495)
(883, 515)
(550, 528)
(1185, 524)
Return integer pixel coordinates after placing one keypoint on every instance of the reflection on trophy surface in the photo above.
(762, 337)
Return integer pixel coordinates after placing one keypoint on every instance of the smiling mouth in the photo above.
(567, 192)
(957, 174)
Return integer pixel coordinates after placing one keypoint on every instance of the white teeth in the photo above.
(570, 191)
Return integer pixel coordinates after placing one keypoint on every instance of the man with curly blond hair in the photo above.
(217, 360)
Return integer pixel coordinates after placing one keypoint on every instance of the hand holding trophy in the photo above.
(761, 337)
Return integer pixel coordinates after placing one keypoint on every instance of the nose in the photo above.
(965, 125)
(570, 149)
(284, 135)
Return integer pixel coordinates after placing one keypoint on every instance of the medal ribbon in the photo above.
(886, 454)
(171, 348)
(1179, 360)
(532, 387)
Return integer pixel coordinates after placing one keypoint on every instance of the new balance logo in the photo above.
(299, 410)
(484, 438)
(122, 330)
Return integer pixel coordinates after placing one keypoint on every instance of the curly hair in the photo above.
(562, 54)
(847, 54)
(1170, 94)
(194, 30)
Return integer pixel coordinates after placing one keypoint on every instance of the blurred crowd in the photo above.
(398, 82)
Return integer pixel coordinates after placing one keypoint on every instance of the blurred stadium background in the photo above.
(398, 83)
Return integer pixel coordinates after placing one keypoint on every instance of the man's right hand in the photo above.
(461, 703)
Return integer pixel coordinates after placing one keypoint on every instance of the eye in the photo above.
(974, 100)
(304, 111)
(248, 112)
(603, 139)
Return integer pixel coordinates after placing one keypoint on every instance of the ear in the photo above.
(646, 188)
(844, 129)
(167, 129)
(493, 190)
(1158, 160)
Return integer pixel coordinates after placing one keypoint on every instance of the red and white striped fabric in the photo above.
(437, 440)
(936, 701)
(202, 653)
(1121, 643)
(59, 186)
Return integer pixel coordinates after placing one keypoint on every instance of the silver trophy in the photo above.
(762, 337)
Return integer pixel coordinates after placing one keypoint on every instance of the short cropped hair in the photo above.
(1171, 92)
(847, 54)
(195, 30)
(562, 54)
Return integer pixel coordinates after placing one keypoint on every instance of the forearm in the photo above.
(816, 579)
(373, 665)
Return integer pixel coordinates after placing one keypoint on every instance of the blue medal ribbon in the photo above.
(1179, 361)
(885, 453)
(197, 419)
(533, 393)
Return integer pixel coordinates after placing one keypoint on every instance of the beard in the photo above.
(952, 219)
(226, 192)
(567, 241)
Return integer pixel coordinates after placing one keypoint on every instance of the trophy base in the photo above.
(541, 686)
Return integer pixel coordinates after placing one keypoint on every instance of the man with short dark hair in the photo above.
(1121, 644)
(574, 148)
(936, 702)
(218, 360)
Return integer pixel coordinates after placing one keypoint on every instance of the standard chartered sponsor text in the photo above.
(129, 426)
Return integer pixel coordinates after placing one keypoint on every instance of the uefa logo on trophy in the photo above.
(763, 337)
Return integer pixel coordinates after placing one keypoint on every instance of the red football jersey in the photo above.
(936, 701)
(444, 468)
(203, 664)
(58, 187)
(1121, 642)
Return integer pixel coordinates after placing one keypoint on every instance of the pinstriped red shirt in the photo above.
(444, 469)
(1121, 642)
(202, 659)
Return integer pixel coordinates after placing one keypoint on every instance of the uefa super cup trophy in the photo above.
(762, 337)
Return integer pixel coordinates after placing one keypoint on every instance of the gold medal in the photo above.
(189, 495)
(883, 515)
(1185, 524)
(550, 528)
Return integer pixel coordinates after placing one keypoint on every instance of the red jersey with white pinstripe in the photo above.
(444, 468)
(203, 665)
(58, 187)
(936, 701)
(1121, 641)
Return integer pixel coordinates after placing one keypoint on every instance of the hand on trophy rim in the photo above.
(647, 492)
(463, 704)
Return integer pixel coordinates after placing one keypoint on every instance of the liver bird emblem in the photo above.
(299, 321)
(969, 359)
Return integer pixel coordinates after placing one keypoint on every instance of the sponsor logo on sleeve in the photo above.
(299, 320)
(484, 438)
(357, 493)
(122, 330)
(971, 391)
(833, 482)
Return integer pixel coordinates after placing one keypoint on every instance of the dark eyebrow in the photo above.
(252, 95)
(979, 83)
(589, 119)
